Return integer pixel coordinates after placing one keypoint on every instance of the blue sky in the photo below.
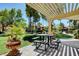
(22, 7)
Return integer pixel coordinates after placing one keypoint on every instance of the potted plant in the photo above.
(13, 41)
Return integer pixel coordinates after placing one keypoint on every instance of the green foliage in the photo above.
(60, 27)
(29, 11)
(64, 36)
(19, 14)
(18, 30)
(36, 16)
(4, 16)
(43, 16)
(76, 34)
(33, 16)
(12, 13)
(39, 23)
(11, 17)
(21, 23)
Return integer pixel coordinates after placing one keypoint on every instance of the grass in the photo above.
(63, 36)
(3, 48)
(3, 40)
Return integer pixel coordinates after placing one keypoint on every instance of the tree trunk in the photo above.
(69, 27)
(30, 24)
(3, 29)
(35, 27)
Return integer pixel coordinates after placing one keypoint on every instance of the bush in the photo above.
(29, 38)
(15, 30)
(76, 34)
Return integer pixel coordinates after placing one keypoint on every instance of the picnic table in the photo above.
(45, 37)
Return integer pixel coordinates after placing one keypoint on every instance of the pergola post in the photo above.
(78, 23)
(49, 26)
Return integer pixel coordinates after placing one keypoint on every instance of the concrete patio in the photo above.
(66, 48)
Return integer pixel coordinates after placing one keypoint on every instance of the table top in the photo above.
(44, 34)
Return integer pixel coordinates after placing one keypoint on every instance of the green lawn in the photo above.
(63, 36)
(3, 41)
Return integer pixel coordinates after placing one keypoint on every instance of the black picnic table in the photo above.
(43, 37)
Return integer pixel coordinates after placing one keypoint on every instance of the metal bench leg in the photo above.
(57, 46)
(45, 48)
(36, 46)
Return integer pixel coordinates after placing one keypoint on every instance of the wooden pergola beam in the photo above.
(69, 14)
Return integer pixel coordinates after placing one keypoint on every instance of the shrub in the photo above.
(15, 30)
(76, 34)
(29, 38)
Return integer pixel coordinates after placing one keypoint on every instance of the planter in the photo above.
(13, 45)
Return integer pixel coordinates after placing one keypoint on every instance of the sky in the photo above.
(22, 7)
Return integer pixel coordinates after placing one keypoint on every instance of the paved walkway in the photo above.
(63, 50)
(28, 51)
(73, 43)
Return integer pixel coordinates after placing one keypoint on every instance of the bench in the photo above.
(35, 38)
(55, 44)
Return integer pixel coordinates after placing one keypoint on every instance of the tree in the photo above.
(4, 18)
(19, 14)
(42, 16)
(29, 13)
(32, 14)
(39, 24)
(12, 16)
(70, 21)
(18, 25)
(60, 27)
(75, 24)
(36, 17)
(21, 23)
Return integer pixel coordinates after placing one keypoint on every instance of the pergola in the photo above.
(54, 11)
